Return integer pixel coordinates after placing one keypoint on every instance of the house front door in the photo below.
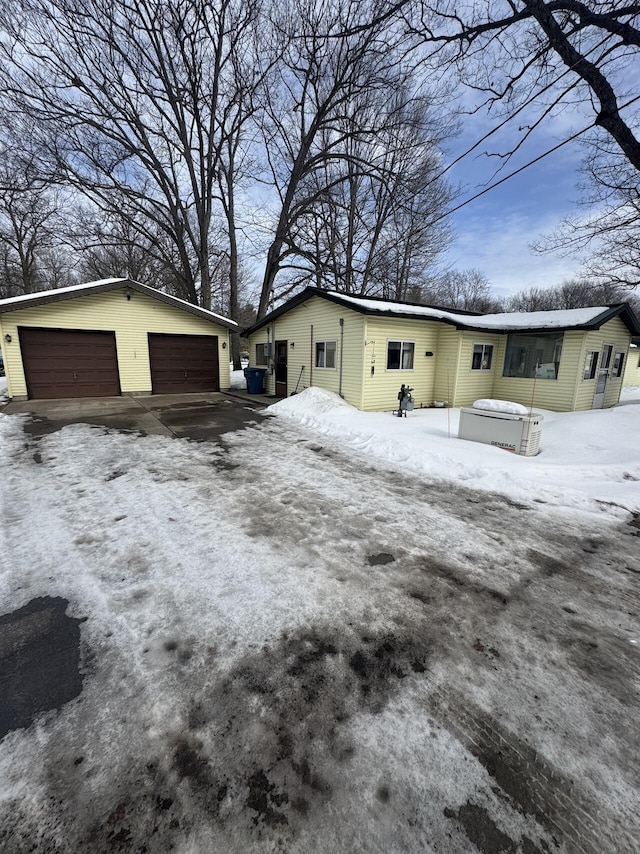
(281, 368)
(603, 376)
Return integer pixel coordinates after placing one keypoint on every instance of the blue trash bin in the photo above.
(255, 380)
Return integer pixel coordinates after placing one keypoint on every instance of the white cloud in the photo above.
(498, 244)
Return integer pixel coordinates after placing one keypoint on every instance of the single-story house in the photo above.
(632, 368)
(108, 338)
(364, 348)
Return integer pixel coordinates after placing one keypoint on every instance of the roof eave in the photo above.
(120, 284)
(310, 291)
(623, 309)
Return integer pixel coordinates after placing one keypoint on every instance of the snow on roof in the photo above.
(69, 289)
(99, 284)
(515, 320)
(538, 319)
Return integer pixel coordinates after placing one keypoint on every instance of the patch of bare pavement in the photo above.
(39, 661)
(471, 706)
(201, 417)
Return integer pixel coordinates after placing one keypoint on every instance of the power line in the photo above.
(525, 166)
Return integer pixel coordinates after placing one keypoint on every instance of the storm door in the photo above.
(281, 368)
(603, 376)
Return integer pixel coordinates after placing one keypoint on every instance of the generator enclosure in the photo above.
(519, 434)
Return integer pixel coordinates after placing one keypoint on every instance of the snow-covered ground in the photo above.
(238, 379)
(588, 460)
(314, 637)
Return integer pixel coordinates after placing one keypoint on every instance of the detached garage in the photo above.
(108, 338)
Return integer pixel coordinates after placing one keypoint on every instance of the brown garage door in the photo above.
(183, 363)
(69, 363)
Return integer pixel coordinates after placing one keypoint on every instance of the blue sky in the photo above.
(493, 233)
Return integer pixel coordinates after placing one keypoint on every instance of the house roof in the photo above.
(529, 321)
(103, 286)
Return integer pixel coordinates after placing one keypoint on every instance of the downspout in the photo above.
(311, 360)
(341, 351)
(271, 350)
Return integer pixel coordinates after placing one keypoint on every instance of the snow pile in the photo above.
(311, 402)
(237, 378)
(3, 389)
(506, 406)
(589, 461)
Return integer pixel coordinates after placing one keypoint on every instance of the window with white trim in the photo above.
(326, 354)
(618, 365)
(482, 357)
(400, 355)
(591, 365)
(262, 354)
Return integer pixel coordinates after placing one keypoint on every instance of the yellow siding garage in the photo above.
(129, 310)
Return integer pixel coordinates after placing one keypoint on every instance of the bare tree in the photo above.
(549, 53)
(607, 235)
(30, 222)
(532, 299)
(110, 246)
(572, 293)
(132, 99)
(468, 290)
(236, 166)
(528, 60)
(334, 64)
(376, 224)
(380, 211)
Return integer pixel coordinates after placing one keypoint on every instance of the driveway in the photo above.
(203, 417)
(273, 646)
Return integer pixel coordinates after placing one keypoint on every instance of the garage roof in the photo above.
(104, 285)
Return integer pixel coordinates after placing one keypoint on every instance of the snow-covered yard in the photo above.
(335, 631)
(586, 458)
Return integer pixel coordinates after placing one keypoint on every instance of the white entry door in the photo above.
(603, 375)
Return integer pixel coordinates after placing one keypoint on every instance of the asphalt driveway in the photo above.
(204, 417)
(267, 644)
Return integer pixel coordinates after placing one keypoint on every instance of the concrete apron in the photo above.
(196, 416)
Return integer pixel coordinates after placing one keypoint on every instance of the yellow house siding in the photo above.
(616, 333)
(632, 368)
(295, 327)
(447, 375)
(131, 320)
(4, 349)
(447, 362)
(380, 391)
(472, 385)
(558, 394)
